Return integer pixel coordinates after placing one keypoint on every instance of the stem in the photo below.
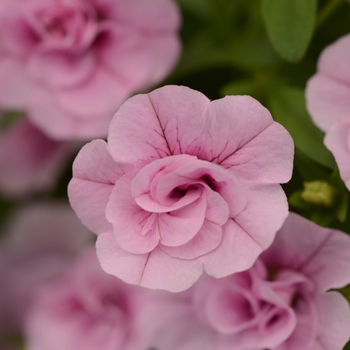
(327, 11)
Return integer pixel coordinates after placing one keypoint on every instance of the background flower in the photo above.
(184, 185)
(70, 64)
(86, 309)
(40, 241)
(282, 302)
(328, 96)
(30, 162)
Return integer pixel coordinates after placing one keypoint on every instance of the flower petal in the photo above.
(337, 141)
(178, 227)
(168, 121)
(116, 261)
(243, 137)
(142, 60)
(306, 247)
(155, 270)
(102, 94)
(129, 220)
(60, 70)
(18, 90)
(327, 101)
(236, 252)
(207, 239)
(94, 175)
(154, 16)
(264, 215)
(334, 316)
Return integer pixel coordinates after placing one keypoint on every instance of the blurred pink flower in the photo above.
(40, 241)
(184, 185)
(328, 101)
(86, 309)
(29, 160)
(71, 63)
(281, 303)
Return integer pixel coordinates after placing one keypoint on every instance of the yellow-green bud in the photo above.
(319, 193)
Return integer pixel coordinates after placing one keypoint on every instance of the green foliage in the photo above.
(8, 118)
(287, 106)
(290, 25)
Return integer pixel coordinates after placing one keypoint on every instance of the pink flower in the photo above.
(29, 160)
(281, 303)
(328, 101)
(184, 185)
(86, 309)
(71, 63)
(40, 241)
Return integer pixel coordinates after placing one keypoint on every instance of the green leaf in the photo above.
(295, 200)
(239, 87)
(8, 118)
(308, 169)
(287, 106)
(290, 25)
(200, 8)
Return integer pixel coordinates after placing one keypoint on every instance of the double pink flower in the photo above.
(71, 63)
(183, 186)
(282, 303)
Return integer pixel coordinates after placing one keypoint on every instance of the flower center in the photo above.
(56, 23)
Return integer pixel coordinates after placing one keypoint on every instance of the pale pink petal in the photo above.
(102, 94)
(163, 54)
(333, 61)
(306, 247)
(135, 230)
(59, 124)
(87, 129)
(43, 226)
(307, 326)
(213, 177)
(236, 252)
(180, 226)
(147, 186)
(171, 274)
(228, 310)
(138, 59)
(94, 175)
(217, 210)
(30, 161)
(40, 242)
(266, 210)
(18, 90)
(242, 136)
(334, 317)
(327, 101)
(153, 16)
(337, 141)
(168, 121)
(151, 270)
(61, 70)
(206, 240)
(327, 92)
(185, 333)
(116, 261)
(20, 38)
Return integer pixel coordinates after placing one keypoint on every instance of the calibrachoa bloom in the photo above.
(184, 185)
(328, 101)
(40, 241)
(86, 309)
(282, 303)
(29, 160)
(71, 63)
